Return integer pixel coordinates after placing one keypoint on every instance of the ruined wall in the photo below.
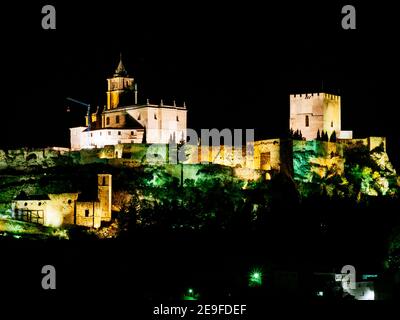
(88, 214)
(64, 203)
(104, 193)
(26, 158)
(40, 208)
(266, 155)
(55, 211)
(370, 142)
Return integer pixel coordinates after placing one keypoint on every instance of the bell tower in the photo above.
(118, 85)
(104, 194)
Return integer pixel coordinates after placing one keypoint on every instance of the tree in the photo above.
(333, 137)
(318, 135)
(291, 133)
(144, 139)
(325, 136)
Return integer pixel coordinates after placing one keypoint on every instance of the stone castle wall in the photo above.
(267, 155)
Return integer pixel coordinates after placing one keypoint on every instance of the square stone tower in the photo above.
(118, 85)
(104, 191)
(316, 111)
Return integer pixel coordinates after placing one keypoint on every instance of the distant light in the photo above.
(369, 295)
(255, 278)
(190, 295)
(53, 218)
(367, 276)
(320, 293)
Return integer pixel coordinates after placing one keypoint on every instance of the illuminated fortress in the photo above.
(125, 133)
(124, 123)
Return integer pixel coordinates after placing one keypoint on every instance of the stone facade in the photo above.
(88, 214)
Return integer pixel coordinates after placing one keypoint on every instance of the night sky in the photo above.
(234, 64)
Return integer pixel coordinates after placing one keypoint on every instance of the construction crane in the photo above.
(85, 105)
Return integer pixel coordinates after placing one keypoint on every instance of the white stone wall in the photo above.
(104, 137)
(78, 138)
(161, 123)
(345, 134)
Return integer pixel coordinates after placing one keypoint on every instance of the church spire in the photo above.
(120, 71)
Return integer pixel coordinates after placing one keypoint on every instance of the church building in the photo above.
(123, 120)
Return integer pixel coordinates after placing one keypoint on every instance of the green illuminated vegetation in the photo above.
(150, 197)
(347, 172)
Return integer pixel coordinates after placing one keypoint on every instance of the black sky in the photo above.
(234, 64)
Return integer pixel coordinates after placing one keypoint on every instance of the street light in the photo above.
(190, 295)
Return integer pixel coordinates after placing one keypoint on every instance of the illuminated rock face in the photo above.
(355, 169)
(316, 111)
(317, 159)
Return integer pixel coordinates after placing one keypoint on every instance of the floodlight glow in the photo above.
(255, 278)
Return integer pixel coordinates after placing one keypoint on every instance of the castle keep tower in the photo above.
(316, 111)
(104, 190)
(118, 85)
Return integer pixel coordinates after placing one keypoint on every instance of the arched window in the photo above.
(331, 124)
(307, 121)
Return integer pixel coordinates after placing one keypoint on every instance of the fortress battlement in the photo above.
(302, 96)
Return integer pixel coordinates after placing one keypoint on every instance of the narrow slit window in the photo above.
(307, 121)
